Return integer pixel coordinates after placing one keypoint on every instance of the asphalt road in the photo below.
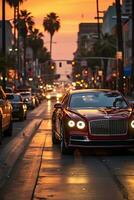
(41, 172)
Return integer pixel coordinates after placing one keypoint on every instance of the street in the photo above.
(41, 172)
(67, 100)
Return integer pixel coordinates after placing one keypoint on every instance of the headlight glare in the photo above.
(81, 125)
(132, 123)
(71, 123)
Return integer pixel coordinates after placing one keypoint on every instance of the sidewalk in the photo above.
(12, 151)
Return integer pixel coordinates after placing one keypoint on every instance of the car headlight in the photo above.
(71, 123)
(132, 123)
(80, 125)
(59, 95)
(26, 99)
(48, 96)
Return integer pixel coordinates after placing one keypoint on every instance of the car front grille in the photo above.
(108, 127)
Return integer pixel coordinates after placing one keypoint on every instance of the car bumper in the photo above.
(17, 114)
(86, 143)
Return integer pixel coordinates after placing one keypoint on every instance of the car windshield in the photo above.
(25, 93)
(97, 100)
(14, 98)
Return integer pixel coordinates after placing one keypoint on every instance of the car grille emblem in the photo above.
(107, 116)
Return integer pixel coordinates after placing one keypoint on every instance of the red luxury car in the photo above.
(93, 118)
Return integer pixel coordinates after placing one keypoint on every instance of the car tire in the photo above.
(22, 118)
(25, 117)
(63, 148)
(54, 139)
(9, 131)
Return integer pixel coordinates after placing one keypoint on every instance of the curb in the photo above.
(10, 154)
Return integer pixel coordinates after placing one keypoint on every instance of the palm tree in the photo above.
(35, 41)
(51, 24)
(15, 5)
(25, 25)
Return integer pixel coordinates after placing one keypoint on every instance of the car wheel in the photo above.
(54, 139)
(64, 149)
(25, 117)
(9, 131)
(22, 117)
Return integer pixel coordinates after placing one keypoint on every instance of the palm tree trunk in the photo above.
(14, 27)
(132, 67)
(25, 71)
(104, 73)
(51, 47)
(18, 45)
(4, 41)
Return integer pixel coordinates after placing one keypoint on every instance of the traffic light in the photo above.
(60, 64)
(68, 76)
(73, 62)
(57, 76)
(53, 66)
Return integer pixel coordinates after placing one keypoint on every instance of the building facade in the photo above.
(109, 20)
(87, 36)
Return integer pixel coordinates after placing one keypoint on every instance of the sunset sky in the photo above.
(71, 13)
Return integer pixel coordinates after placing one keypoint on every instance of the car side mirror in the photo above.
(58, 105)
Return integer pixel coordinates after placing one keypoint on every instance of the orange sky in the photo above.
(71, 13)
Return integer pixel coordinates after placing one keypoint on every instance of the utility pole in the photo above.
(132, 67)
(119, 46)
(98, 18)
(4, 42)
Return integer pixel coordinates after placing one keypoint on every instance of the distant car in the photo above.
(39, 93)
(29, 99)
(53, 95)
(19, 106)
(93, 119)
(5, 115)
(8, 90)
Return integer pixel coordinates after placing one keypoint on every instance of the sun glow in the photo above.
(71, 13)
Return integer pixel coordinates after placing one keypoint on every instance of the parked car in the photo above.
(19, 106)
(93, 118)
(5, 115)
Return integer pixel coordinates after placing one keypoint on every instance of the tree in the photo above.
(105, 47)
(46, 71)
(35, 41)
(15, 5)
(25, 25)
(51, 24)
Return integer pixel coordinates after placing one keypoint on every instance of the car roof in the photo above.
(91, 90)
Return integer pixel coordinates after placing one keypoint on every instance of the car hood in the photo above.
(94, 113)
(16, 102)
